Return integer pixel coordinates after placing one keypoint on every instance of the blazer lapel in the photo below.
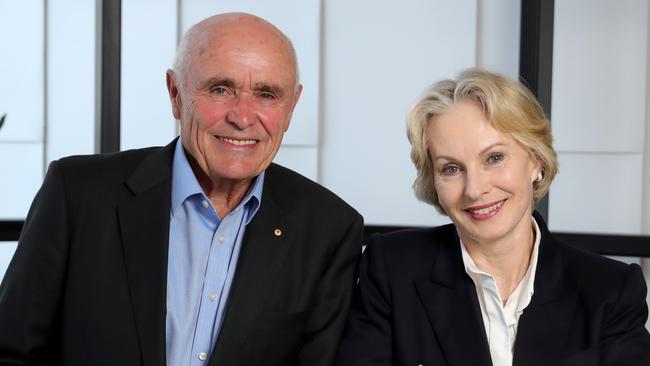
(451, 304)
(144, 224)
(546, 323)
(265, 245)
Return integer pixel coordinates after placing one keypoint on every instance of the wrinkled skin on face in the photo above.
(234, 101)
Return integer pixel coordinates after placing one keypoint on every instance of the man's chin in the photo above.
(236, 174)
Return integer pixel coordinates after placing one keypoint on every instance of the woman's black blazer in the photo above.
(415, 305)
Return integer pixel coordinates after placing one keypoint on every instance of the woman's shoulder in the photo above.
(583, 262)
(596, 275)
(411, 245)
(414, 238)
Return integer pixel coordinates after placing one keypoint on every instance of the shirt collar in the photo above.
(185, 184)
(529, 278)
(525, 289)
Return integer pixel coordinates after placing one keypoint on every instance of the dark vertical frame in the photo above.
(536, 58)
(111, 45)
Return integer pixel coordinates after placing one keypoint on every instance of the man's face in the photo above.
(235, 102)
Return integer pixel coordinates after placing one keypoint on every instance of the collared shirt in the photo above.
(203, 253)
(500, 320)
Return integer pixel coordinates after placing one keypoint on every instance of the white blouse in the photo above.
(501, 320)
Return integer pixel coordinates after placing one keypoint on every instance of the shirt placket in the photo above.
(498, 332)
(221, 247)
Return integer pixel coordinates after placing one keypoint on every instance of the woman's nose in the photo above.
(477, 183)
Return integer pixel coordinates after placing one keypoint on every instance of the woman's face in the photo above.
(484, 178)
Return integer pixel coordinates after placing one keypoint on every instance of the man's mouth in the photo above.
(237, 142)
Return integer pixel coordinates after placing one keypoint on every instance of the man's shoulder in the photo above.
(107, 159)
(103, 167)
(295, 189)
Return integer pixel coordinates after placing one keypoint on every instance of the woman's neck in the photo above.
(507, 259)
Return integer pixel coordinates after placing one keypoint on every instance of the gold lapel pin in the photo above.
(277, 232)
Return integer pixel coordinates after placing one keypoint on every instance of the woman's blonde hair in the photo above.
(508, 105)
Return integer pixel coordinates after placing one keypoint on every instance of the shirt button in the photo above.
(206, 204)
(221, 239)
(213, 296)
(203, 356)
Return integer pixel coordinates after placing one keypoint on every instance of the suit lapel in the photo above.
(546, 323)
(144, 224)
(262, 253)
(450, 301)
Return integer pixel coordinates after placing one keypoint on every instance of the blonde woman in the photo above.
(494, 287)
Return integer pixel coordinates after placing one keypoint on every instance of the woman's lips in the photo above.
(485, 212)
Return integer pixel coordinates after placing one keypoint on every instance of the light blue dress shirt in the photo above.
(203, 253)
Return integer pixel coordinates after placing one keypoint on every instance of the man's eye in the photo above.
(267, 96)
(219, 90)
(495, 158)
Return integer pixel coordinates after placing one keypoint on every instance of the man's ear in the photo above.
(174, 94)
(296, 97)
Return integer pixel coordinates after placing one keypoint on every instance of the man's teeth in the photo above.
(487, 210)
(238, 142)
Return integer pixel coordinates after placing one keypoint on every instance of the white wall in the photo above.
(48, 93)
(148, 49)
(71, 87)
(22, 100)
(378, 58)
(600, 119)
(498, 36)
(599, 115)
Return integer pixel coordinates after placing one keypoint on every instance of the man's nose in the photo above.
(477, 183)
(242, 114)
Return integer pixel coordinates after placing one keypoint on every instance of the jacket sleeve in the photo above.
(31, 291)
(325, 324)
(368, 333)
(625, 339)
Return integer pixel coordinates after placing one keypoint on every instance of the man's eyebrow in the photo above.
(212, 82)
(273, 89)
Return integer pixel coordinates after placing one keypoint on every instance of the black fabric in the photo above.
(87, 285)
(415, 304)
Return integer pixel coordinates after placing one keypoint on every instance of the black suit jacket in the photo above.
(415, 305)
(87, 285)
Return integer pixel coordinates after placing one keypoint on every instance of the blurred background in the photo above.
(83, 77)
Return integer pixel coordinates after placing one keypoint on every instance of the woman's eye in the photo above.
(450, 170)
(495, 158)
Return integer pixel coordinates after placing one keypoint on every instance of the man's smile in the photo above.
(237, 141)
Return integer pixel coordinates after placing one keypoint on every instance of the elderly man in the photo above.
(202, 252)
